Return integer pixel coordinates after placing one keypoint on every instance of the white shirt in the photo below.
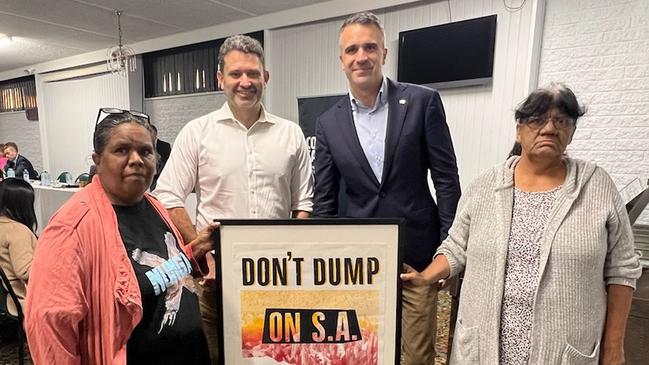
(261, 172)
(371, 125)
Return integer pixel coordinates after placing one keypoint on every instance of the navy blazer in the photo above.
(20, 164)
(417, 141)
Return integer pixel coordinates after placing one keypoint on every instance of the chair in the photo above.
(64, 177)
(83, 179)
(6, 291)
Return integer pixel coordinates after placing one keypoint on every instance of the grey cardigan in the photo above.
(587, 244)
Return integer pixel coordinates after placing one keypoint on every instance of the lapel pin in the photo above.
(402, 101)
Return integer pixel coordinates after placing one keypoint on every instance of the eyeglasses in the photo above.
(108, 111)
(539, 121)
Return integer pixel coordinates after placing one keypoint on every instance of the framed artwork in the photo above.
(309, 291)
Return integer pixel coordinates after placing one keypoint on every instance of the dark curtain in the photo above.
(18, 94)
(184, 70)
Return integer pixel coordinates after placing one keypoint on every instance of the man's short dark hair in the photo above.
(12, 145)
(364, 18)
(241, 43)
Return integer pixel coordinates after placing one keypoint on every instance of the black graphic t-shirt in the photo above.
(170, 331)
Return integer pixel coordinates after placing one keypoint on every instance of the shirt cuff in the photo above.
(307, 207)
(621, 281)
(452, 262)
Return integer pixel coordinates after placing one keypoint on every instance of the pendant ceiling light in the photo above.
(120, 58)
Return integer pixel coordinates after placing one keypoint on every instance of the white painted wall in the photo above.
(600, 49)
(303, 61)
(15, 127)
(68, 112)
(171, 113)
(136, 86)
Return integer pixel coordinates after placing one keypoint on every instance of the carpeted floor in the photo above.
(9, 345)
(443, 315)
(9, 354)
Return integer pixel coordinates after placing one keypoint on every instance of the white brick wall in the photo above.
(600, 48)
(170, 114)
(15, 127)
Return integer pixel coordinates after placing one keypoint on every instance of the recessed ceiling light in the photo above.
(5, 40)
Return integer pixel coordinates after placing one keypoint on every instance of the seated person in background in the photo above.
(17, 239)
(18, 162)
(3, 159)
(111, 279)
(164, 150)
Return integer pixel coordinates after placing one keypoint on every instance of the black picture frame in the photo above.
(286, 224)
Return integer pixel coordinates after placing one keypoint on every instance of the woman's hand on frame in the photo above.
(415, 277)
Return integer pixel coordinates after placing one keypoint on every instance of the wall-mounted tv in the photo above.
(449, 55)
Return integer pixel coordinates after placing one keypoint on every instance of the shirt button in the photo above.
(382, 194)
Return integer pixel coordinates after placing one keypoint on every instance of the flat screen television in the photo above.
(449, 55)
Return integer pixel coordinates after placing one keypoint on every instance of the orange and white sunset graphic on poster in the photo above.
(295, 340)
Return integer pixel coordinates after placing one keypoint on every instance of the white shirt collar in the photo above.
(381, 97)
(225, 114)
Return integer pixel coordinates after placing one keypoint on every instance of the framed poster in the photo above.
(309, 291)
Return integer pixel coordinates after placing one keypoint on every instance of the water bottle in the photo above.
(11, 172)
(26, 175)
(45, 179)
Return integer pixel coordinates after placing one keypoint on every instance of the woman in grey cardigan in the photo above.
(547, 250)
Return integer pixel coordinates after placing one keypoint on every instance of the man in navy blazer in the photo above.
(18, 163)
(380, 142)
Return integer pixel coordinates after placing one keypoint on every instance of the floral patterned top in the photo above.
(530, 215)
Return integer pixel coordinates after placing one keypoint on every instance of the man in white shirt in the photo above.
(242, 161)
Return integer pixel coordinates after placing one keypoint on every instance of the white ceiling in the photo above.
(45, 30)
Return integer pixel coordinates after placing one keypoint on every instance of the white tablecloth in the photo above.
(48, 200)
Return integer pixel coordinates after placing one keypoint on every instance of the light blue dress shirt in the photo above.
(371, 125)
